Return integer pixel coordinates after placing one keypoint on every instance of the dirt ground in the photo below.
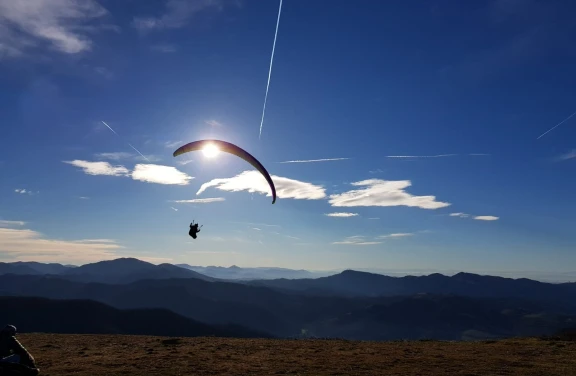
(59, 354)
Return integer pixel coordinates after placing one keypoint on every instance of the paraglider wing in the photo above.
(232, 149)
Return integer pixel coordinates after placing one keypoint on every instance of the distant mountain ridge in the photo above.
(287, 314)
(121, 270)
(91, 317)
(353, 283)
(237, 273)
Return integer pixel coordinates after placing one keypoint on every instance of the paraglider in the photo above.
(194, 229)
(211, 146)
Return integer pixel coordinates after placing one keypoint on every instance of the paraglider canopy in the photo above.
(211, 148)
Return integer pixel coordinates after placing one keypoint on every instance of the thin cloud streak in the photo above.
(341, 215)
(315, 160)
(556, 126)
(200, 200)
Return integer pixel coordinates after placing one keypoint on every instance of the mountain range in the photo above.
(350, 304)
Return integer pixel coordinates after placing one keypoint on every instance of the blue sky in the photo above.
(431, 116)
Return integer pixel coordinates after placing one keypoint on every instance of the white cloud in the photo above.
(99, 168)
(477, 217)
(253, 181)
(173, 208)
(62, 24)
(342, 215)
(178, 14)
(384, 193)
(201, 200)
(315, 160)
(84, 198)
(356, 240)
(23, 191)
(256, 228)
(163, 48)
(152, 173)
(373, 218)
(5, 223)
(395, 236)
(29, 245)
(486, 218)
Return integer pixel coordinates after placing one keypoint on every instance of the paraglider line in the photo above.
(270, 70)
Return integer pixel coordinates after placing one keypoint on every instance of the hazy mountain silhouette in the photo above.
(354, 283)
(236, 273)
(126, 270)
(283, 314)
(31, 314)
(446, 317)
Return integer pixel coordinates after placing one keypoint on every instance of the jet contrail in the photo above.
(554, 127)
(103, 122)
(270, 70)
(137, 151)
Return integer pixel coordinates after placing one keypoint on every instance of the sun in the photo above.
(210, 151)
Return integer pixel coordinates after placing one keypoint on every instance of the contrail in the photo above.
(103, 122)
(315, 160)
(137, 151)
(554, 127)
(270, 70)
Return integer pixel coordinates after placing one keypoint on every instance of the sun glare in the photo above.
(210, 151)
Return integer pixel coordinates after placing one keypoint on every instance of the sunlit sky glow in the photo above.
(409, 135)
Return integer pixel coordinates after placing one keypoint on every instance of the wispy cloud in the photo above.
(99, 168)
(83, 198)
(341, 214)
(315, 160)
(213, 123)
(177, 15)
(374, 218)
(28, 245)
(173, 144)
(63, 24)
(486, 218)
(476, 217)
(356, 240)
(379, 192)
(256, 229)
(117, 156)
(173, 208)
(422, 156)
(253, 181)
(395, 236)
(23, 191)
(104, 72)
(201, 200)
(5, 223)
(151, 173)
(163, 48)
(569, 155)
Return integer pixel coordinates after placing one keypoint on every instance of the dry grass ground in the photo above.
(59, 354)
